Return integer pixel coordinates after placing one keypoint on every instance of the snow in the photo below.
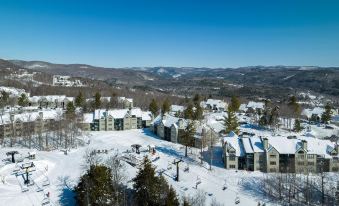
(177, 108)
(67, 169)
(14, 92)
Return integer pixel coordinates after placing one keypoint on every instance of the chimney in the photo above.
(41, 114)
(265, 142)
(304, 144)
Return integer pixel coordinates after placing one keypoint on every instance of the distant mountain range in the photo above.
(181, 79)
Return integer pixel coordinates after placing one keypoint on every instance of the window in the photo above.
(273, 163)
(231, 158)
(301, 157)
(300, 163)
(273, 156)
(310, 163)
(232, 166)
(310, 156)
(272, 170)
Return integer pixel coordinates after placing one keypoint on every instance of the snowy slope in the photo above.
(69, 167)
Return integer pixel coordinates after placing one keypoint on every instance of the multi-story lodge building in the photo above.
(50, 101)
(117, 119)
(16, 125)
(171, 128)
(280, 154)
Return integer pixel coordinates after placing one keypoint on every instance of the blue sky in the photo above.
(197, 33)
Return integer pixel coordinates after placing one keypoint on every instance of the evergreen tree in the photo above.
(188, 136)
(274, 117)
(23, 100)
(297, 126)
(153, 107)
(4, 97)
(151, 190)
(327, 115)
(171, 199)
(95, 187)
(293, 104)
(79, 100)
(198, 113)
(165, 106)
(114, 103)
(235, 104)
(186, 202)
(196, 99)
(231, 122)
(70, 110)
(97, 101)
(188, 112)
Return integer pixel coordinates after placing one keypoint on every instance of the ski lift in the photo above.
(24, 189)
(169, 166)
(187, 168)
(45, 201)
(225, 185)
(198, 182)
(237, 200)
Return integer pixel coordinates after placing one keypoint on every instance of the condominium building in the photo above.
(280, 154)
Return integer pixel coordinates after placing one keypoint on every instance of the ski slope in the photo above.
(63, 171)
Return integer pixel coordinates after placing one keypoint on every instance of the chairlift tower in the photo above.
(26, 168)
(176, 162)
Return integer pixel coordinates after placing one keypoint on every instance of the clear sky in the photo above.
(171, 32)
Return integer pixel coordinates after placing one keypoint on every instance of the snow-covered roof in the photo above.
(169, 120)
(216, 102)
(177, 108)
(315, 111)
(146, 116)
(234, 141)
(255, 105)
(121, 113)
(30, 116)
(13, 91)
(247, 145)
(50, 98)
(88, 118)
(125, 99)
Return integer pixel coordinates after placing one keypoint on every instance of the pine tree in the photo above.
(188, 112)
(293, 104)
(165, 106)
(198, 113)
(231, 122)
(235, 104)
(196, 99)
(153, 107)
(186, 202)
(23, 100)
(70, 110)
(171, 199)
(79, 100)
(95, 187)
(327, 115)
(149, 189)
(97, 101)
(188, 136)
(4, 97)
(297, 126)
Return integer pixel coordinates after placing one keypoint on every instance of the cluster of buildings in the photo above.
(66, 81)
(116, 119)
(28, 123)
(280, 154)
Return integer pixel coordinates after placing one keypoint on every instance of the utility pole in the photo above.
(177, 163)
